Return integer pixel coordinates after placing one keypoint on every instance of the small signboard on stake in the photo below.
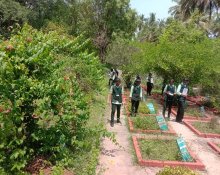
(151, 108)
(162, 123)
(184, 152)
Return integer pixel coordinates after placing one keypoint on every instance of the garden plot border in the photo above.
(214, 147)
(188, 123)
(188, 117)
(198, 165)
(198, 102)
(132, 129)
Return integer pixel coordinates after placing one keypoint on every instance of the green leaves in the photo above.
(42, 104)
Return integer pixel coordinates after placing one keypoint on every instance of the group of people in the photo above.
(181, 92)
(117, 100)
(136, 95)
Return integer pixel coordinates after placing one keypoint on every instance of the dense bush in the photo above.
(43, 111)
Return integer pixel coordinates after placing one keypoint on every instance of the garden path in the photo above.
(121, 160)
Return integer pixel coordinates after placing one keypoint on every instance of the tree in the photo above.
(119, 52)
(150, 29)
(203, 6)
(102, 20)
(43, 11)
(175, 10)
(11, 13)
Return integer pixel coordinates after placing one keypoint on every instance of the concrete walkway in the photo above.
(120, 159)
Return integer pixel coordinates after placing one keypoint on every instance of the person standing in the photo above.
(116, 94)
(135, 96)
(150, 84)
(182, 92)
(169, 92)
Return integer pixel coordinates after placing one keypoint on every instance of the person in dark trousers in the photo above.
(169, 92)
(182, 92)
(135, 96)
(116, 94)
(150, 84)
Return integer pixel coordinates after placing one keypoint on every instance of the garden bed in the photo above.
(160, 153)
(215, 146)
(192, 114)
(195, 99)
(148, 124)
(199, 101)
(142, 109)
(203, 129)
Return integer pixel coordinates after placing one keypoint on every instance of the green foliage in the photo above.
(114, 18)
(182, 51)
(150, 29)
(119, 52)
(43, 109)
(44, 11)
(176, 171)
(12, 14)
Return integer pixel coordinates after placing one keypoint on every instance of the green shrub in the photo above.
(43, 110)
(176, 171)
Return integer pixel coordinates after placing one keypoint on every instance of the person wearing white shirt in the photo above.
(182, 92)
(169, 92)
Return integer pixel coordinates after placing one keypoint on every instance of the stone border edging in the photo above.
(214, 147)
(131, 128)
(196, 131)
(193, 99)
(198, 165)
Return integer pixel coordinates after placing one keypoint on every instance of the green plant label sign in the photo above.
(183, 149)
(151, 108)
(162, 123)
